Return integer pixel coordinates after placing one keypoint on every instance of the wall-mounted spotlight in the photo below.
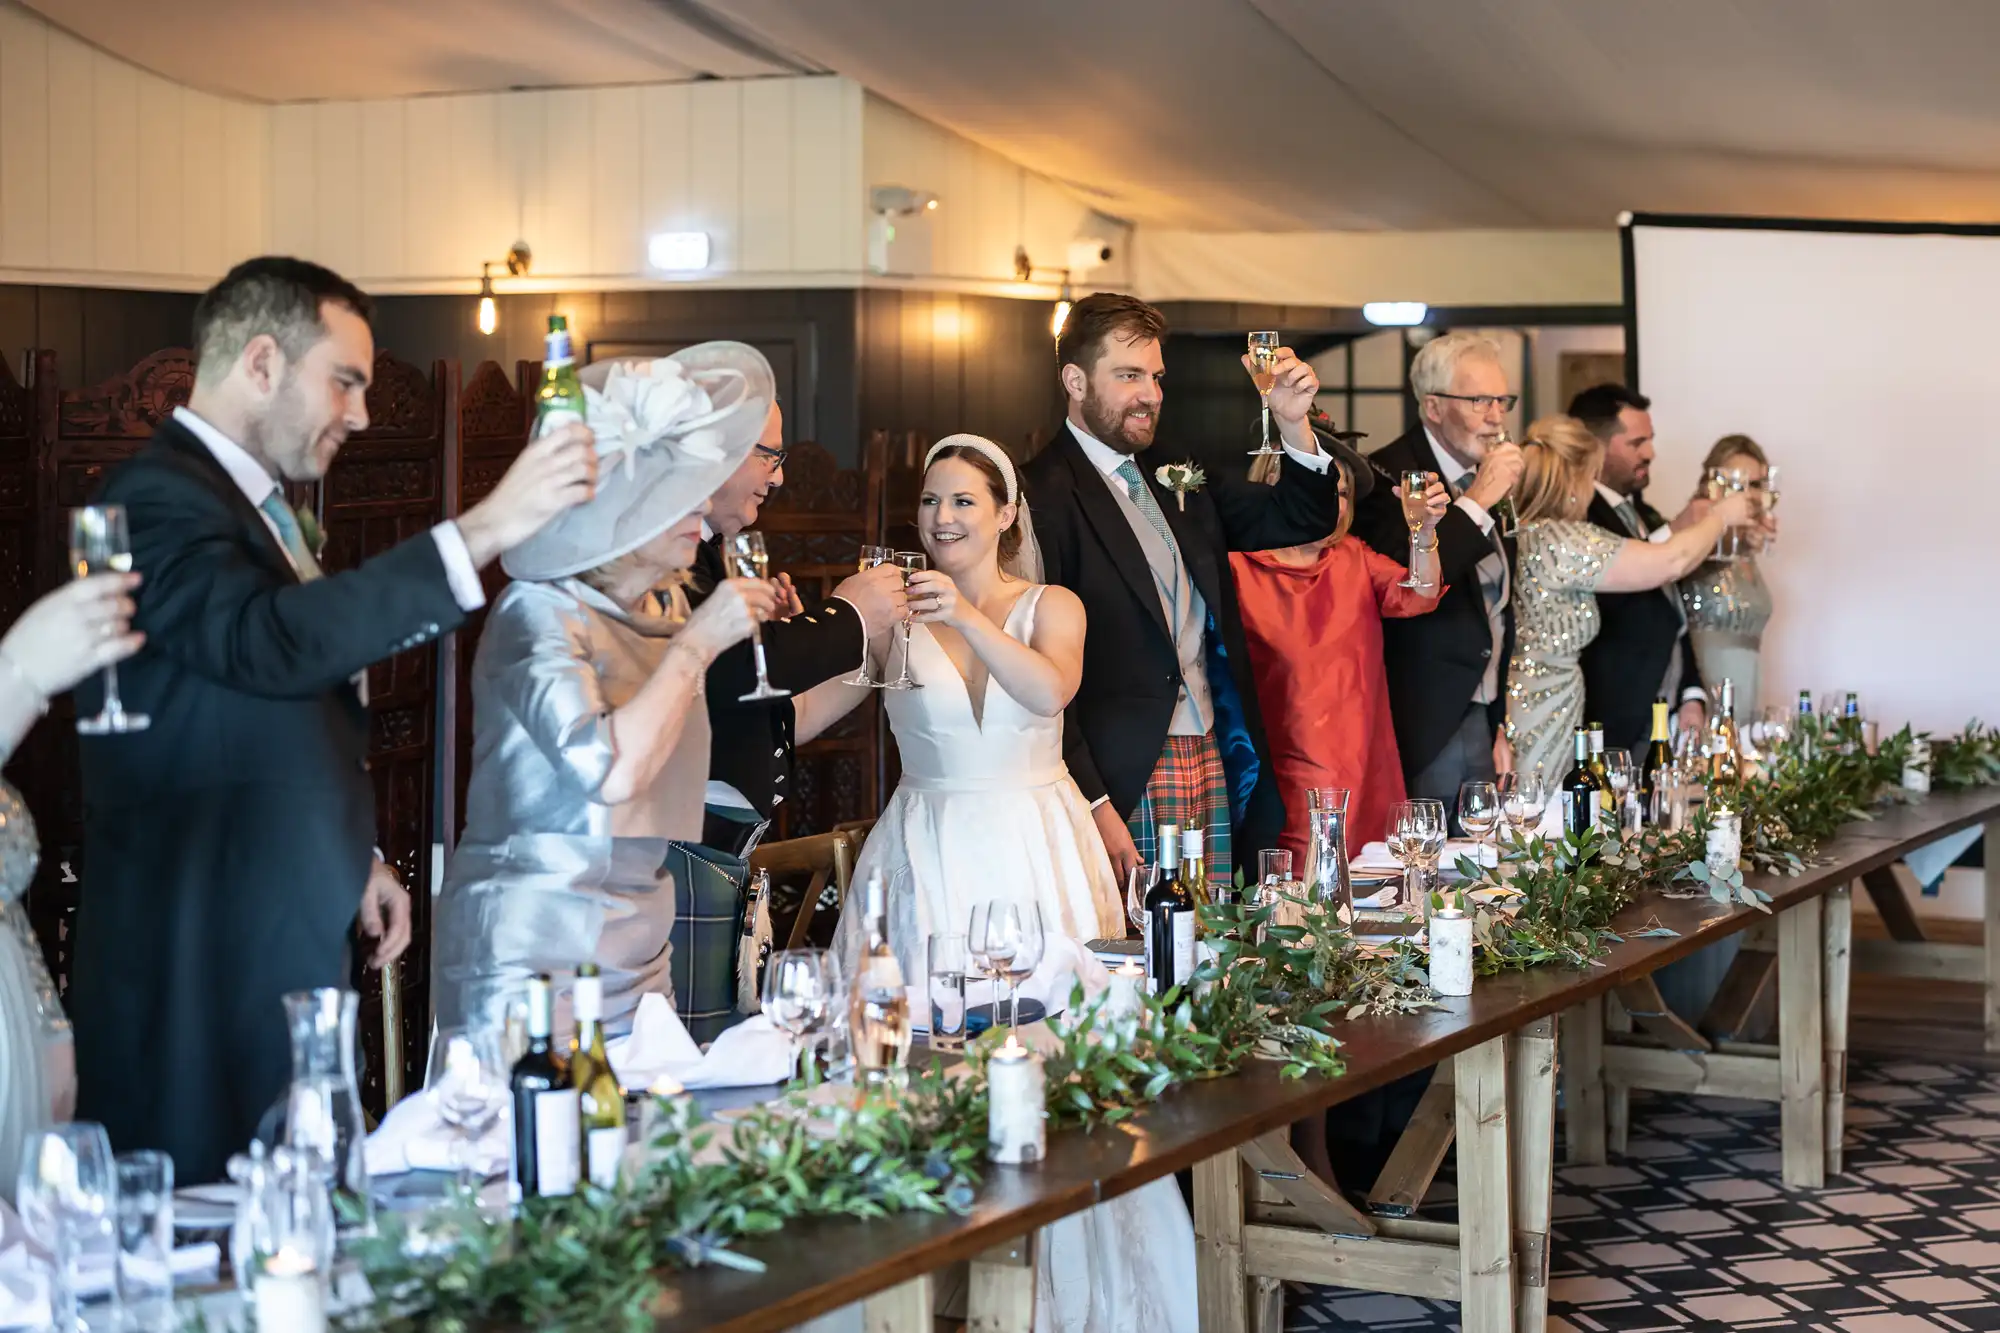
(519, 257)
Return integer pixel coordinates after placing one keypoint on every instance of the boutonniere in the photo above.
(1181, 478)
(311, 532)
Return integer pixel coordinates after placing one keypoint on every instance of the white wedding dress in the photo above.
(987, 809)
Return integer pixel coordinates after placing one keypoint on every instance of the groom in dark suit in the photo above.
(1159, 729)
(228, 846)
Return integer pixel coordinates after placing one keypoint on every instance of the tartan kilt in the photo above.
(1189, 788)
(708, 926)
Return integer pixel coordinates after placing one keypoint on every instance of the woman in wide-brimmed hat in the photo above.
(590, 735)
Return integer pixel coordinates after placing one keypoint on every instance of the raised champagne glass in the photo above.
(910, 562)
(870, 557)
(1770, 502)
(99, 543)
(1263, 363)
(1415, 511)
(748, 559)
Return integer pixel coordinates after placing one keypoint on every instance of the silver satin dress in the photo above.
(31, 1016)
(1559, 564)
(1728, 606)
(547, 875)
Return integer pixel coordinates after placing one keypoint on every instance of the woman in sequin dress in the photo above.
(1563, 563)
(74, 631)
(1727, 603)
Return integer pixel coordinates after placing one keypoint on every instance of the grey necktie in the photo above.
(1628, 514)
(1135, 486)
(289, 532)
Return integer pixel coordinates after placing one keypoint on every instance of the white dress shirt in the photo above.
(1495, 583)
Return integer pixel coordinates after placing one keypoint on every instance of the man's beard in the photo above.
(1109, 425)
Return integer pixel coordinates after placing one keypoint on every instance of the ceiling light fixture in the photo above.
(678, 251)
(1025, 271)
(518, 259)
(1395, 314)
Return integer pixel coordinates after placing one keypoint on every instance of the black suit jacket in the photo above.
(1116, 726)
(752, 743)
(1435, 662)
(226, 847)
(1625, 664)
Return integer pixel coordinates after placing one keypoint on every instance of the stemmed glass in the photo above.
(1009, 936)
(1721, 481)
(100, 543)
(801, 987)
(67, 1196)
(1770, 502)
(910, 562)
(1523, 797)
(1415, 511)
(467, 1079)
(1478, 813)
(1503, 508)
(1416, 836)
(749, 560)
(1618, 772)
(1138, 883)
(870, 557)
(1263, 359)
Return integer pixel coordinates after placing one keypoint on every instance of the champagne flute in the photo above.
(1721, 481)
(68, 1198)
(1263, 357)
(100, 543)
(467, 1079)
(748, 559)
(1415, 511)
(1770, 502)
(800, 987)
(1478, 813)
(910, 562)
(870, 557)
(1503, 508)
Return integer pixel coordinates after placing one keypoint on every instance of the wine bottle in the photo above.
(600, 1101)
(1659, 754)
(1598, 768)
(1581, 794)
(1170, 918)
(1850, 708)
(1194, 866)
(878, 1014)
(559, 401)
(1805, 704)
(1725, 765)
(547, 1124)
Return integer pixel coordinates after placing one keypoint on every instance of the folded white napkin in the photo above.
(749, 1055)
(1376, 858)
(1064, 962)
(414, 1137)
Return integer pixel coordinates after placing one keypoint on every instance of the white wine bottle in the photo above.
(547, 1133)
(879, 1009)
(600, 1101)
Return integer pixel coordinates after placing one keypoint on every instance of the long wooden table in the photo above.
(818, 1267)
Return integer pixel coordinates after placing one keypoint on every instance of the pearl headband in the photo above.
(992, 452)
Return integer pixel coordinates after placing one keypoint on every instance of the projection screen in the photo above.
(1866, 360)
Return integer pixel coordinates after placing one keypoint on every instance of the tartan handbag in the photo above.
(708, 923)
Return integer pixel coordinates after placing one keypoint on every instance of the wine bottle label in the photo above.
(558, 1131)
(1184, 955)
(555, 419)
(557, 350)
(607, 1149)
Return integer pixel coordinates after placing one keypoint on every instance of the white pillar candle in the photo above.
(1015, 1105)
(1725, 842)
(288, 1295)
(1128, 983)
(1451, 952)
(1917, 767)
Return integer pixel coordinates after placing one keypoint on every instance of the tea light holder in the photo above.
(664, 1089)
(1128, 984)
(1451, 952)
(1725, 842)
(288, 1294)
(1016, 1103)
(1917, 767)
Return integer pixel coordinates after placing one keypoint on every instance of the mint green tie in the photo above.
(291, 535)
(1135, 486)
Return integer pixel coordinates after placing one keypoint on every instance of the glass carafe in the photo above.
(1332, 882)
(322, 1111)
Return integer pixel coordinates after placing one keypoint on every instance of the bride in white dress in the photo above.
(987, 809)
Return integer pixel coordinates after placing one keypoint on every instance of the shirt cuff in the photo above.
(1100, 801)
(1318, 462)
(1476, 512)
(459, 571)
(1662, 533)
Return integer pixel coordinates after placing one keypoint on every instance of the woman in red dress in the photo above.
(1313, 615)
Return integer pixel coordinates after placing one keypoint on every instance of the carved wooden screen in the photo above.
(386, 487)
(815, 525)
(493, 421)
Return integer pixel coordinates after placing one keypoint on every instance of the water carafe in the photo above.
(1332, 882)
(323, 1108)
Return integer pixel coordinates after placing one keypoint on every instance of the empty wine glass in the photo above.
(1523, 797)
(910, 562)
(99, 543)
(1416, 837)
(748, 559)
(1011, 938)
(801, 989)
(1618, 772)
(870, 557)
(67, 1196)
(467, 1079)
(1138, 883)
(1263, 346)
(1478, 813)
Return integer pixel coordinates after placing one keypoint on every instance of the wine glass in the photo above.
(1138, 883)
(870, 557)
(801, 987)
(1721, 481)
(1263, 357)
(1503, 508)
(910, 562)
(748, 559)
(1011, 938)
(1478, 813)
(1415, 511)
(1618, 772)
(467, 1079)
(1416, 836)
(100, 543)
(1770, 502)
(67, 1198)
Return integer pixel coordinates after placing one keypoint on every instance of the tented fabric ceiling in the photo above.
(1246, 115)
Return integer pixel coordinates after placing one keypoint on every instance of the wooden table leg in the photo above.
(1221, 1284)
(1992, 853)
(1617, 1095)
(1583, 1084)
(903, 1309)
(1839, 930)
(1002, 1295)
(1531, 1131)
(1802, 1044)
(1485, 1201)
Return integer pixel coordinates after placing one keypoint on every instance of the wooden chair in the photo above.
(820, 860)
(857, 831)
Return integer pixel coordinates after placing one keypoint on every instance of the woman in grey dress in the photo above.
(590, 734)
(1727, 602)
(72, 632)
(1563, 562)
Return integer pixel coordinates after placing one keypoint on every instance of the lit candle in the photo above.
(1451, 952)
(1015, 1105)
(664, 1088)
(288, 1295)
(1725, 842)
(1128, 983)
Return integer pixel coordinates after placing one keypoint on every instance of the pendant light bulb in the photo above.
(489, 310)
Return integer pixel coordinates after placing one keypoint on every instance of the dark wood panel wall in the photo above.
(95, 333)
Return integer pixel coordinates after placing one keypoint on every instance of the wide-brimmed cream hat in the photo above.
(669, 432)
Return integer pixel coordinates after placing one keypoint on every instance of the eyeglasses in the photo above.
(1481, 401)
(774, 457)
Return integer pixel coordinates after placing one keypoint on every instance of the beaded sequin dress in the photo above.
(1727, 609)
(1560, 563)
(30, 1014)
